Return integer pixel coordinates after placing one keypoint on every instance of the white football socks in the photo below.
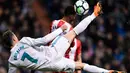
(94, 69)
(83, 24)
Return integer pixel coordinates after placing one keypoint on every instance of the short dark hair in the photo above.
(7, 40)
(69, 11)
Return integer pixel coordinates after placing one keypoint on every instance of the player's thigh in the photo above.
(61, 44)
(64, 65)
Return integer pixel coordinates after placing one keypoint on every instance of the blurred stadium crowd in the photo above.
(105, 43)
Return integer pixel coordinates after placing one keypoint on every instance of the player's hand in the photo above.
(63, 27)
(114, 71)
(97, 9)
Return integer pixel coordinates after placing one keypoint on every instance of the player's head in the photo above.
(9, 39)
(70, 13)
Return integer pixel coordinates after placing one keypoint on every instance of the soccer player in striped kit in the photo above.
(74, 51)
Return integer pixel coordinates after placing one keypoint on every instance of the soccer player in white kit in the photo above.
(32, 54)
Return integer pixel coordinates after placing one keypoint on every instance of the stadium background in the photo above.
(105, 43)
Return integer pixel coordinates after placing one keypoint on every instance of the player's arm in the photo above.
(78, 52)
(78, 57)
(44, 40)
(78, 60)
(12, 69)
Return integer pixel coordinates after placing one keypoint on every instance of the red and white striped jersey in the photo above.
(58, 23)
(75, 48)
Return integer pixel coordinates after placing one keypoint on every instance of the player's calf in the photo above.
(94, 69)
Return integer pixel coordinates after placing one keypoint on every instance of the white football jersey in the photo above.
(31, 53)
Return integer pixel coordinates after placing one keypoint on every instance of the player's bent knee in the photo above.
(70, 36)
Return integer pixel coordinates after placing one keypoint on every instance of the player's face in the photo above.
(72, 18)
(15, 39)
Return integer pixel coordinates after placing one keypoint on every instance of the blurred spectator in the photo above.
(2, 70)
(108, 57)
(100, 48)
(126, 61)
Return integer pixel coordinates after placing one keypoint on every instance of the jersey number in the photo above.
(25, 55)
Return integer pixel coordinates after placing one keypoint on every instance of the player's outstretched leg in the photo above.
(94, 69)
(84, 23)
(68, 38)
(62, 43)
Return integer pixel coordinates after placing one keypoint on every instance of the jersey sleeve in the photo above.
(12, 69)
(43, 40)
(53, 26)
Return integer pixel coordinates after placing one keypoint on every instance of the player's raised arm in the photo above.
(44, 40)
